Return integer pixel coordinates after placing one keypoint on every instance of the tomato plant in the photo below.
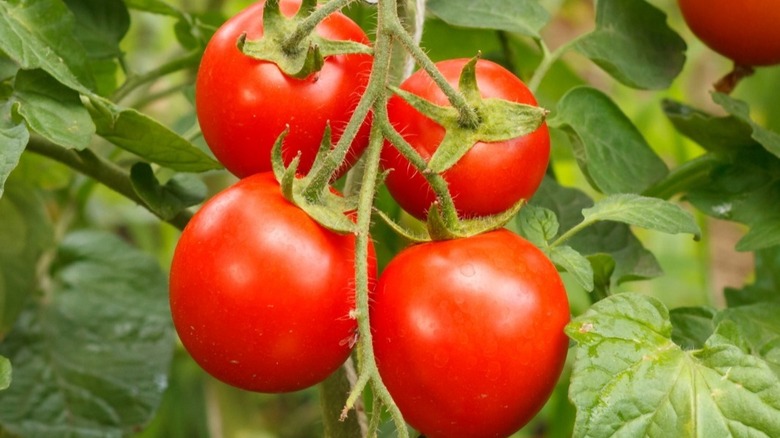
(746, 32)
(468, 334)
(240, 303)
(120, 232)
(515, 166)
(244, 104)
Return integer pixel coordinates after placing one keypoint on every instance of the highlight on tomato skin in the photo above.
(243, 104)
(487, 180)
(747, 32)
(469, 334)
(260, 293)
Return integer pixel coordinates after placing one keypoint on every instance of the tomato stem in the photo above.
(729, 82)
(468, 117)
(101, 170)
(308, 24)
(133, 82)
(548, 59)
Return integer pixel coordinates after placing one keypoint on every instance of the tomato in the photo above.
(260, 293)
(491, 177)
(747, 31)
(243, 104)
(468, 334)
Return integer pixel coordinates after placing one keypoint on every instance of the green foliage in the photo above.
(525, 17)
(615, 160)
(631, 379)
(85, 335)
(93, 353)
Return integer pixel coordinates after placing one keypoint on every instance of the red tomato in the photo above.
(468, 334)
(243, 104)
(747, 31)
(260, 293)
(491, 177)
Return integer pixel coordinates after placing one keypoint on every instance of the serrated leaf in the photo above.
(526, 17)
(650, 213)
(166, 201)
(630, 379)
(26, 233)
(719, 134)
(96, 353)
(52, 110)
(615, 160)
(14, 139)
(574, 263)
(5, 373)
(147, 138)
(633, 43)
(692, 326)
(101, 25)
(39, 34)
(768, 139)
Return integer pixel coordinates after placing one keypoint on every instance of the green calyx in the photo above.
(439, 227)
(498, 120)
(311, 194)
(292, 44)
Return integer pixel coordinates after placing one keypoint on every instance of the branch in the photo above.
(101, 170)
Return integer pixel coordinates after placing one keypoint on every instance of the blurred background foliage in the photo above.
(196, 405)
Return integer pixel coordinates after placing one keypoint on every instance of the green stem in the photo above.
(101, 170)
(436, 181)
(570, 233)
(689, 174)
(332, 392)
(307, 26)
(468, 117)
(133, 82)
(548, 59)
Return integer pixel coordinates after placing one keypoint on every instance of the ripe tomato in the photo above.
(468, 334)
(260, 293)
(747, 31)
(491, 177)
(243, 104)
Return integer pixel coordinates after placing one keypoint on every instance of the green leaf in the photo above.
(692, 326)
(537, 224)
(5, 373)
(97, 350)
(759, 326)
(603, 268)
(8, 67)
(147, 138)
(101, 25)
(631, 260)
(651, 213)
(718, 134)
(575, 264)
(25, 234)
(14, 140)
(633, 43)
(154, 7)
(615, 160)
(526, 17)
(166, 201)
(631, 379)
(768, 139)
(763, 234)
(39, 34)
(52, 110)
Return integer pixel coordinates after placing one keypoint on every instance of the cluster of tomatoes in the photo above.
(467, 333)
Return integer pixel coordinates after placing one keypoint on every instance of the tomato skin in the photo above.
(747, 31)
(491, 177)
(468, 334)
(260, 293)
(243, 104)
